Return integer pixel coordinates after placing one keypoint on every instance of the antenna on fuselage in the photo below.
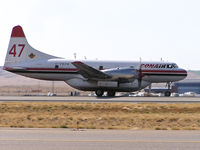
(74, 55)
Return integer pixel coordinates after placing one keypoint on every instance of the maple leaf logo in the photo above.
(31, 56)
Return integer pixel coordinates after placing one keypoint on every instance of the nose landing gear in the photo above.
(168, 92)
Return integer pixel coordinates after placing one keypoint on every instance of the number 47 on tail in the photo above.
(14, 49)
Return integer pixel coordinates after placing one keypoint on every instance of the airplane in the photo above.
(98, 76)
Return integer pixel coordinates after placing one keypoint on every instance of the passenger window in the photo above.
(100, 67)
(56, 66)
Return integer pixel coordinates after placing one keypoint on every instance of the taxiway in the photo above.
(100, 100)
(60, 139)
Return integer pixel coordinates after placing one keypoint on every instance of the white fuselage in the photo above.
(63, 70)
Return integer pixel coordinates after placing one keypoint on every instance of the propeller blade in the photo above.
(140, 76)
(139, 84)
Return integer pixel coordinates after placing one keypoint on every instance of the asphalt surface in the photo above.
(99, 100)
(61, 139)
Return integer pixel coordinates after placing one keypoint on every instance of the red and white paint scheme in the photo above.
(98, 76)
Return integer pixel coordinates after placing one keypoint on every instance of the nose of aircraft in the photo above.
(183, 73)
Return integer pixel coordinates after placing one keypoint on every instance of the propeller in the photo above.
(140, 75)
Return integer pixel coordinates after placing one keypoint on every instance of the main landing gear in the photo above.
(100, 93)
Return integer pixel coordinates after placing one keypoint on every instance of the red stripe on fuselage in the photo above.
(52, 69)
(164, 71)
(74, 69)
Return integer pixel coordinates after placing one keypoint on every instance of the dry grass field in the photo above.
(101, 116)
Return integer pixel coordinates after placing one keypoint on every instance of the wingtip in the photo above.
(17, 31)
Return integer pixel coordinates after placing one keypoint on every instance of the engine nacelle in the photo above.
(124, 73)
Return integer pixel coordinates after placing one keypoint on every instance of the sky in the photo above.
(107, 29)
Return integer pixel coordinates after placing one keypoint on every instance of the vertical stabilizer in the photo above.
(19, 50)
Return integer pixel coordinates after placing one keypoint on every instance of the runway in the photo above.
(87, 99)
(60, 139)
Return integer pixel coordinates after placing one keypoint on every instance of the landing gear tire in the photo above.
(167, 93)
(111, 93)
(99, 93)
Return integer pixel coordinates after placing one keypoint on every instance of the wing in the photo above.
(90, 72)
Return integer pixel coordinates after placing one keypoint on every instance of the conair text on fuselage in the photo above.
(159, 66)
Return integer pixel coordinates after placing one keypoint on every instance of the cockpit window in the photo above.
(175, 66)
(56, 66)
(172, 66)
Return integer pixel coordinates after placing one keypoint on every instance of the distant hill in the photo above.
(13, 84)
(196, 72)
(193, 74)
(11, 79)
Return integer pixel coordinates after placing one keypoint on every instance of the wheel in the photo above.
(111, 93)
(99, 93)
(167, 93)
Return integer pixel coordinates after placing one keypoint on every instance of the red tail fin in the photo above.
(17, 32)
